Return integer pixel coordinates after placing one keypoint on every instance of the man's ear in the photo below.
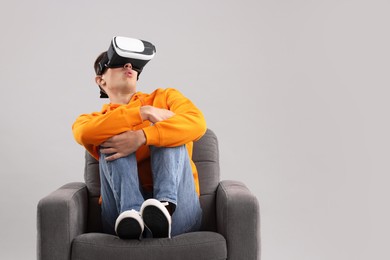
(99, 80)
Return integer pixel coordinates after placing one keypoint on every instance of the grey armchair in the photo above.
(69, 227)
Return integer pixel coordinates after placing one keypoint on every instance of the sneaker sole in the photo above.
(129, 226)
(157, 219)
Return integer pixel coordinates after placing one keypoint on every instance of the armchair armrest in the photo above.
(238, 220)
(61, 216)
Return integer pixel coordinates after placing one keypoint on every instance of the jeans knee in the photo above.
(168, 150)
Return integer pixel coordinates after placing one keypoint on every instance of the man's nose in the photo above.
(128, 66)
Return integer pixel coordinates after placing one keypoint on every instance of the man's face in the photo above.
(121, 80)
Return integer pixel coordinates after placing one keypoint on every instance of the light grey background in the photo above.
(297, 92)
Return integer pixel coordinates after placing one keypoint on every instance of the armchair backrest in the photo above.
(206, 158)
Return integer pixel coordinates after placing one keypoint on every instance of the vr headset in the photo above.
(125, 50)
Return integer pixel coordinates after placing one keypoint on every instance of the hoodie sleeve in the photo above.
(187, 125)
(95, 128)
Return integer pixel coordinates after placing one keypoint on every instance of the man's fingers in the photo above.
(110, 158)
(107, 150)
(107, 143)
(114, 157)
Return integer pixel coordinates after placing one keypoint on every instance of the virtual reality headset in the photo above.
(125, 50)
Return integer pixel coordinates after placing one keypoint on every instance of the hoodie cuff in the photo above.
(135, 117)
(152, 135)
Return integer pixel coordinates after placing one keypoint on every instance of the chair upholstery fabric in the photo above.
(69, 224)
(190, 246)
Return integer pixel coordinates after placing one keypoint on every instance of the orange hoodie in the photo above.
(186, 126)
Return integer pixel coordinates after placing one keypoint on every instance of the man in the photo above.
(144, 146)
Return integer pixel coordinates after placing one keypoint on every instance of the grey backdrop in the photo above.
(297, 92)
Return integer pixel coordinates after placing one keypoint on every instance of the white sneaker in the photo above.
(129, 225)
(157, 218)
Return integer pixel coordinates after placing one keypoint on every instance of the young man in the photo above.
(144, 146)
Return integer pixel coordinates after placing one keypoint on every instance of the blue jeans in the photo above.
(172, 181)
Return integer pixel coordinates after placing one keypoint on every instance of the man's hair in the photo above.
(96, 65)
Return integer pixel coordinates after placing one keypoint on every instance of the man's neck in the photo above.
(121, 99)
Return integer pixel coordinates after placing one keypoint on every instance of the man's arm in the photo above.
(154, 114)
(128, 142)
(181, 124)
(187, 125)
(95, 128)
(90, 130)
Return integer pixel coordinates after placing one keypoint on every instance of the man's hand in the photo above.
(154, 114)
(123, 144)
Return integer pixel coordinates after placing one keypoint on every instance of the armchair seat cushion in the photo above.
(190, 246)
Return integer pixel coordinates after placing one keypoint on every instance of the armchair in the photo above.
(69, 224)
